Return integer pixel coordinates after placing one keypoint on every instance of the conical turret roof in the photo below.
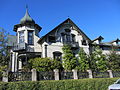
(27, 18)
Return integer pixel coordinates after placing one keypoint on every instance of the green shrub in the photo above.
(81, 84)
(44, 64)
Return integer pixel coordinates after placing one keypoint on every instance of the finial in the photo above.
(26, 6)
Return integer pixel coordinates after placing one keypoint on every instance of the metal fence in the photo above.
(20, 76)
(116, 73)
(100, 75)
(50, 75)
(66, 75)
(82, 75)
(46, 75)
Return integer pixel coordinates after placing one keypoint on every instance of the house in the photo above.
(27, 43)
(107, 46)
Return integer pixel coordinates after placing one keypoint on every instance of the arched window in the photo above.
(57, 55)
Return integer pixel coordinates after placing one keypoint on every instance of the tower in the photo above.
(26, 47)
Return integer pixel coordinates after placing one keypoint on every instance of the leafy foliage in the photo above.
(81, 84)
(97, 60)
(82, 61)
(44, 64)
(69, 60)
(4, 53)
(113, 61)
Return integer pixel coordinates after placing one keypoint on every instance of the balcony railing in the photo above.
(19, 47)
(30, 49)
(72, 44)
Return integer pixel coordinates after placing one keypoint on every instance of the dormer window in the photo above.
(30, 38)
(21, 36)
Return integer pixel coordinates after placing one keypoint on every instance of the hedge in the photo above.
(81, 84)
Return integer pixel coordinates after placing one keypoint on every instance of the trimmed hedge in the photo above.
(81, 84)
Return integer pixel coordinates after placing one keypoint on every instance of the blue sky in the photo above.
(94, 17)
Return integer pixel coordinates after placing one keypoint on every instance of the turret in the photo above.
(27, 32)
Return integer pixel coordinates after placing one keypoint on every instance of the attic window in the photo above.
(67, 30)
(84, 42)
(51, 39)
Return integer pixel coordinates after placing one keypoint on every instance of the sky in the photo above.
(93, 17)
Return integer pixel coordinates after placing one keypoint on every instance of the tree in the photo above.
(98, 60)
(69, 60)
(113, 61)
(44, 64)
(4, 53)
(82, 64)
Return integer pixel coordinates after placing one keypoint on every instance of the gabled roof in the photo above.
(117, 40)
(99, 38)
(66, 21)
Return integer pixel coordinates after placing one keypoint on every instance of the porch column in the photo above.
(13, 62)
(20, 64)
(16, 62)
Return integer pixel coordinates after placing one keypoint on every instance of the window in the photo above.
(73, 37)
(57, 55)
(68, 38)
(21, 36)
(63, 37)
(30, 37)
(52, 39)
(84, 42)
(67, 30)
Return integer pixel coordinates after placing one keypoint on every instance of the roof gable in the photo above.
(67, 21)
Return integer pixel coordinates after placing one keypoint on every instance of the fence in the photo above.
(45, 75)
(55, 75)
(100, 74)
(19, 76)
(66, 75)
(82, 75)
